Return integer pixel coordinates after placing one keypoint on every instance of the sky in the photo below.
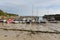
(31, 7)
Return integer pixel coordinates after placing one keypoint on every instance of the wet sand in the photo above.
(25, 35)
(22, 35)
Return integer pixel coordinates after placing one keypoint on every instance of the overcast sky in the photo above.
(25, 7)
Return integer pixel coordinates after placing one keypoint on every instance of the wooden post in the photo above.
(2, 20)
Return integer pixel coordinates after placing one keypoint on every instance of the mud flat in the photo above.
(24, 35)
(30, 32)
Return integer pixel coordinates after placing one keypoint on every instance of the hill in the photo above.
(2, 13)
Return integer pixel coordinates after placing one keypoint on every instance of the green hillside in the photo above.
(2, 13)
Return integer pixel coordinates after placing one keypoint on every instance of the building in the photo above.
(52, 17)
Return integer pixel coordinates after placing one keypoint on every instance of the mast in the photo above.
(37, 11)
(32, 10)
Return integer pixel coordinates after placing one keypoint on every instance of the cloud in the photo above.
(24, 7)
